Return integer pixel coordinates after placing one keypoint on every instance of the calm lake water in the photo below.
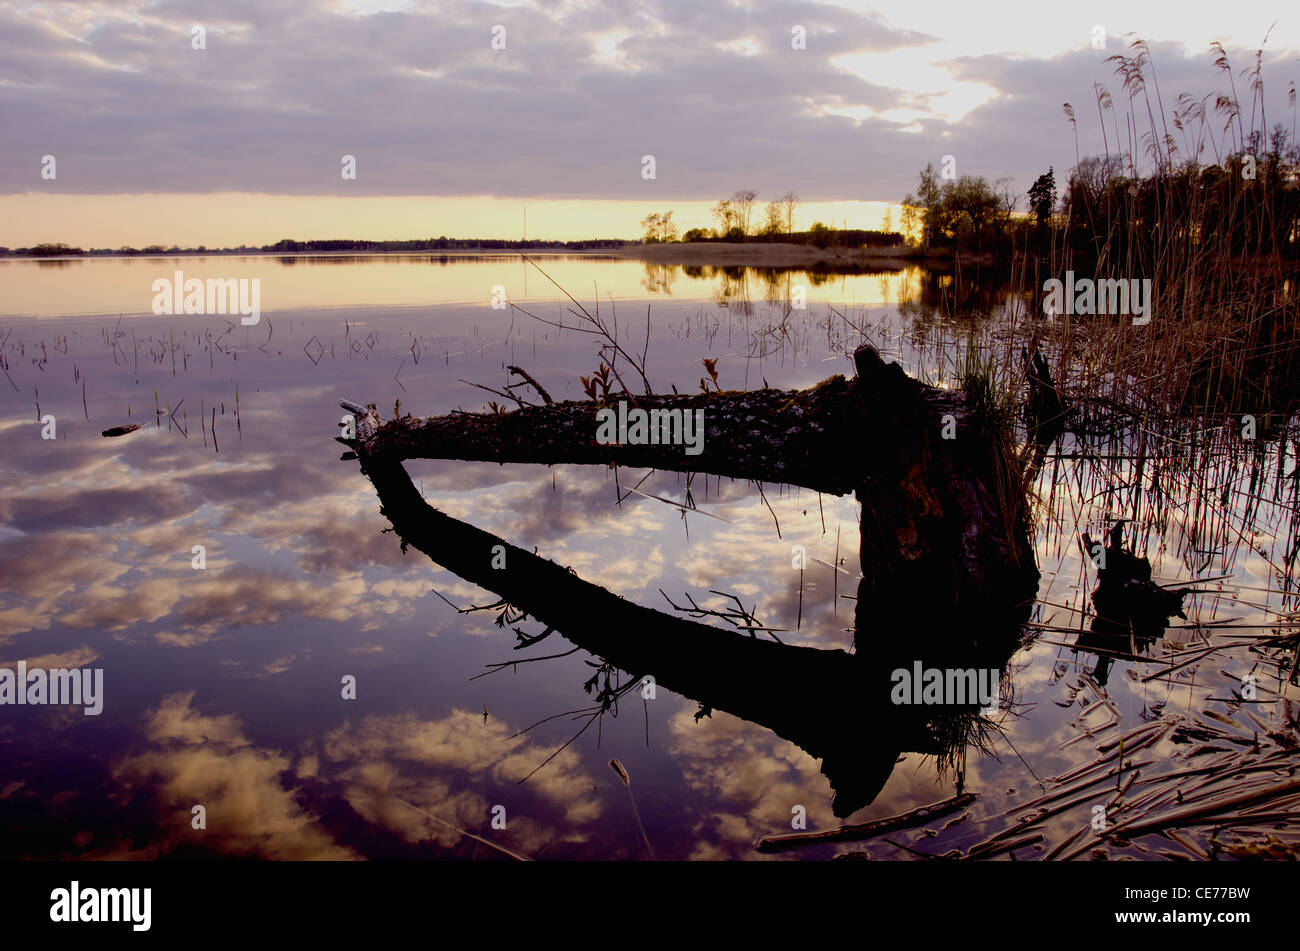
(222, 684)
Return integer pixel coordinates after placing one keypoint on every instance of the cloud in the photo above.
(456, 768)
(206, 760)
(358, 779)
(282, 91)
(82, 656)
(753, 778)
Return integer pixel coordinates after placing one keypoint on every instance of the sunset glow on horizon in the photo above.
(231, 220)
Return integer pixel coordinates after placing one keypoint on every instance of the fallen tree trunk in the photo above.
(833, 704)
(819, 438)
(943, 504)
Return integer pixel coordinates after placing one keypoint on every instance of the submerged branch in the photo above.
(865, 830)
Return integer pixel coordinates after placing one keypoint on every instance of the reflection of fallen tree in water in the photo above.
(932, 526)
(833, 704)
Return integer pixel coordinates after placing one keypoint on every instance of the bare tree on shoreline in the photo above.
(743, 203)
(789, 202)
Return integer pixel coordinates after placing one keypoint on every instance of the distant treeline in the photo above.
(823, 237)
(737, 224)
(290, 246)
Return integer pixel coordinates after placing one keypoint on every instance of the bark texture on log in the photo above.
(774, 435)
(945, 531)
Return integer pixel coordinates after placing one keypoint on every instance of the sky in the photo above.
(460, 115)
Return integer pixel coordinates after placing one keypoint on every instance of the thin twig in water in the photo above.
(477, 838)
(627, 781)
